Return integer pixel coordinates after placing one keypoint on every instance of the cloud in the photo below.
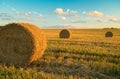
(17, 12)
(101, 21)
(84, 12)
(112, 18)
(35, 12)
(28, 19)
(38, 14)
(27, 14)
(62, 17)
(33, 20)
(96, 14)
(74, 12)
(7, 19)
(68, 10)
(41, 16)
(60, 12)
(66, 14)
(81, 21)
(5, 15)
(65, 26)
(15, 15)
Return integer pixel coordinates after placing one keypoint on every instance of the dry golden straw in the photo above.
(65, 33)
(21, 43)
(108, 34)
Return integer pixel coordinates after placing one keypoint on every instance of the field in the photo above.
(87, 55)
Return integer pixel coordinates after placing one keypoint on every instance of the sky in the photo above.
(62, 13)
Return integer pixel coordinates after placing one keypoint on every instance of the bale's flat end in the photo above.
(65, 33)
(108, 34)
(21, 43)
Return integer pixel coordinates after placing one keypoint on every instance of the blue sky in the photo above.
(62, 13)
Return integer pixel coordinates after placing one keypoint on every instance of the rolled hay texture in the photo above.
(65, 33)
(21, 43)
(108, 34)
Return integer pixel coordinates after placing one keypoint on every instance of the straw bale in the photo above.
(65, 33)
(108, 34)
(21, 43)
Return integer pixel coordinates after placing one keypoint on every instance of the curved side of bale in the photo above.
(108, 34)
(21, 43)
(65, 33)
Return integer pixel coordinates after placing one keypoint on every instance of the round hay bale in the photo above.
(65, 33)
(108, 34)
(21, 44)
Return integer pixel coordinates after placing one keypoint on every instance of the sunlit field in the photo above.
(87, 55)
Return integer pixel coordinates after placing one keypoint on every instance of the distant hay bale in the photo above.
(108, 34)
(65, 33)
(21, 44)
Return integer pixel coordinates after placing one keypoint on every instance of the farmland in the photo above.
(88, 54)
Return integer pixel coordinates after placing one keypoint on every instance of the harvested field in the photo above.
(87, 55)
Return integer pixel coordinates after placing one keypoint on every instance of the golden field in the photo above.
(88, 54)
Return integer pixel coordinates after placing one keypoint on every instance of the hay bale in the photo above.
(65, 33)
(21, 43)
(108, 34)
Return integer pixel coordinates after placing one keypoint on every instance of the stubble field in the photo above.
(87, 55)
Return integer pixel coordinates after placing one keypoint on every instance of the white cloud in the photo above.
(84, 12)
(94, 14)
(14, 10)
(112, 18)
(33, 20)
(41, 16)
(102, 21)
(17, 12)
(5, 15)
(60, 12)
(27, 14)
(63, 17)
(38, 14)
(68, 10)
(28, 19)
(66, 14)
(73, 12)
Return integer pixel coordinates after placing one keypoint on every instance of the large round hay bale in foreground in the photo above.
(65, 33)
(21, 44)
(108, 34)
